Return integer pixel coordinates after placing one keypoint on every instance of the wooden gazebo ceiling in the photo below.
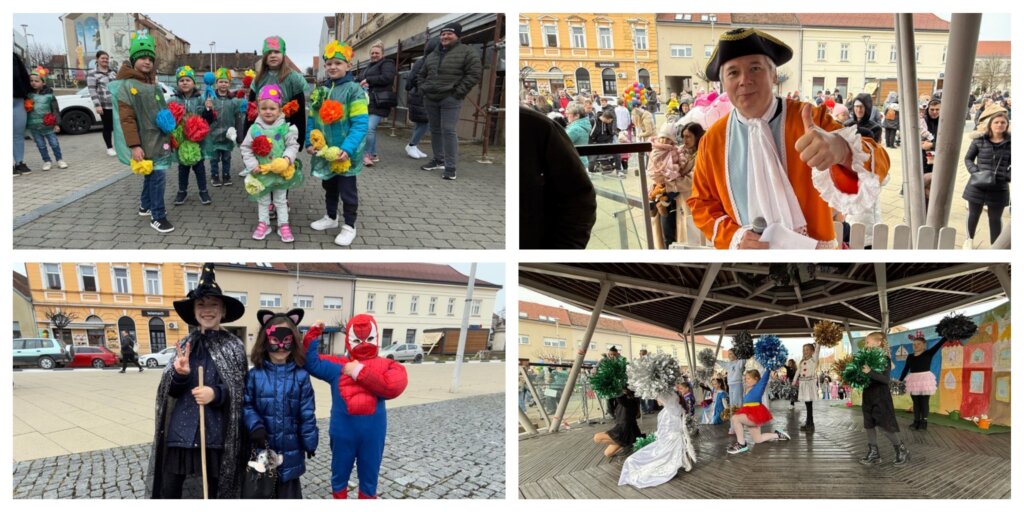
(745, 297)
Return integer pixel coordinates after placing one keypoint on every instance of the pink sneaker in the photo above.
(367, 161)
(261, 231)
(286, 233)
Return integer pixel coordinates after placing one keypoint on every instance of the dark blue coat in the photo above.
(279, 398)
(183, 431)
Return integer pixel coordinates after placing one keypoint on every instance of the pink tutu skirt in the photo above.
(921, 383)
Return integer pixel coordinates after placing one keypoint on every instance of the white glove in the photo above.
(232, 134)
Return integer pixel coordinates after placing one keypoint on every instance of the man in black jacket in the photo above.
(128, 351)
(447, 76)
(557, 203)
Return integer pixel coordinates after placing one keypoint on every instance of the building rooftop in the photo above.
(21, 285)
(542, 313)
(413, 272)
(922, 21)
(989, 49)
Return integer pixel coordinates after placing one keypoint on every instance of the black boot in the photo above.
(915, 425)
(872, 457)
(923, 425)
(902, 454)
(807, 427)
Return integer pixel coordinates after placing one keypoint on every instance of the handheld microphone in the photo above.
(759, 225)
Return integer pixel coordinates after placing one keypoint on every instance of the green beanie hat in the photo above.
(273, 43)
(185, 72)
(142, 45)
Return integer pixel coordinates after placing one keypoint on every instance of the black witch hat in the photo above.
(186, 308)
(741, 42)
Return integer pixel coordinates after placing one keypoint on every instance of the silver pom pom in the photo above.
(652, 375)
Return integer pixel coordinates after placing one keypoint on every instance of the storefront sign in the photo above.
(155, 312)
(607, 64)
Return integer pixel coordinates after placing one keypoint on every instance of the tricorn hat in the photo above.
(741, 42)
(186, 308)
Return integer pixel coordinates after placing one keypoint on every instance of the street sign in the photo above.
(607, 64)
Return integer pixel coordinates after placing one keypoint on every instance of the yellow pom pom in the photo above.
(253, 185)
(341, 166)
(279, 165)
(329, 153)
(288, 173)
(317, 140)
(143, 168)
(134, 91)
(264, 168)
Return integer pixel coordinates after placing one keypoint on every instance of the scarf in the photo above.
(228, 354)
(770, 194)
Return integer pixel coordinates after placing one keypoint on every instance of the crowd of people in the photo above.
(847, 135)
(271, 120)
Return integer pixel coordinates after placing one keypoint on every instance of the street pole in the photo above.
(465, 327)
(212, 43)
(867, 39)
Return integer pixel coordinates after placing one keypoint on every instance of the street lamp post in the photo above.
(212, 43)
(867, 39)
(632, 28)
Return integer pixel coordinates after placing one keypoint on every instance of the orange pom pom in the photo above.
(29, 105)
(290, 108)
(331, 111)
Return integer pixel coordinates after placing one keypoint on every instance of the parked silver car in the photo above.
(45, 353)
(403, 352)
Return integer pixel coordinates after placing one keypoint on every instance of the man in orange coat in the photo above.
(783, 161)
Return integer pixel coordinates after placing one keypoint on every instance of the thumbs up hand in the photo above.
(818, 148)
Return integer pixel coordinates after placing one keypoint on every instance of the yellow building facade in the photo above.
(102, 299)
(586, 53)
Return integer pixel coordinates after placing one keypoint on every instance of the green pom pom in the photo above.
(189, 153)
(609, 379)
(874, 358)
(179, 133)
(644, 441)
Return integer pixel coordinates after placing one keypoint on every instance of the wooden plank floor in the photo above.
(945, 463)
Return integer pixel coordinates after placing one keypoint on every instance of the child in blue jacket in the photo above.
(279, 409)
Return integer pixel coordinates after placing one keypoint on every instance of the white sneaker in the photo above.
(411, 151)
(968, 245)
(347, 235)
(111, 152)
(47, 166)
(61, 164)
(420, 154)
(324, 223)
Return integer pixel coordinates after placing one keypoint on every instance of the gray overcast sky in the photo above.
(242, 32)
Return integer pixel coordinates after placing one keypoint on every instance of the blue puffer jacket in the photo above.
(279, 398)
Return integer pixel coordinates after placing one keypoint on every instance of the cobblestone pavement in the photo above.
(93, 203)
(452, 449)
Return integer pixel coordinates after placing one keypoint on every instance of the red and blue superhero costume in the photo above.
(359, 420)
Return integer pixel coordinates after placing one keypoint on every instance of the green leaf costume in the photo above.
(42, 104)
(147, 100)
(270, 181)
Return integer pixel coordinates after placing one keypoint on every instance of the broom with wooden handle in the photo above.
(202, 438)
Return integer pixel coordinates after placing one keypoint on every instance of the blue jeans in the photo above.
(371, 135)
(20, 118)
(221, 157)
(183, 172)
(41, 140)
(418, 133)
(152, 198)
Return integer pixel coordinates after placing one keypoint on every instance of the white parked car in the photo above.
(161, 358)
(403, 352)
(77, 114)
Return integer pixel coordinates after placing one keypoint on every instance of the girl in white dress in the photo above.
(659, 461)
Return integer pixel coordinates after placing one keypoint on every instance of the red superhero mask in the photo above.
(361, 337)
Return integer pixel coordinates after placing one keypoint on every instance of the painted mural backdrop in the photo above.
(973, 375)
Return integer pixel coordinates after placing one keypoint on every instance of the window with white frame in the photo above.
(87, 278)
(152, 282)
(892, 53)
(333, 303)
(302, 301)
(524, 340)
(414, 304)
(550, 36)
(242, 297)
(53, 279)
(821, 50)
(579, 37)
(554, 342)
(871, 52)
(122, 284)
(708, 50)
(270, 300)
(391, 303)
(410, 335)
(451, 307)
(191, 281)
(369, 301)
(432, 308)
(681, 50)
(475, 310)
(640, 37)
(524, 34)
(604, 38)
(844, 52)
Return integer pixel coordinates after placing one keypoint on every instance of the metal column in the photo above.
(906, 77)
(581, 353)
(963, 45)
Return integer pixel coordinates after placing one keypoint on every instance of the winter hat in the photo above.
(667, 130)
(338, 50)
(185, 72)
(186, 308)
(273, 43)
(41, 72)
(142, 45)
(454, 26)
(222, 74)
(271, 92)
(741, 42)
(839, 109)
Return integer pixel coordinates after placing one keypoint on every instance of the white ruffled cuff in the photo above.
(736, 238)
(868, 184)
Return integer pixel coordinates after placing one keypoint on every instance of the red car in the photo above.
(96, 357)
